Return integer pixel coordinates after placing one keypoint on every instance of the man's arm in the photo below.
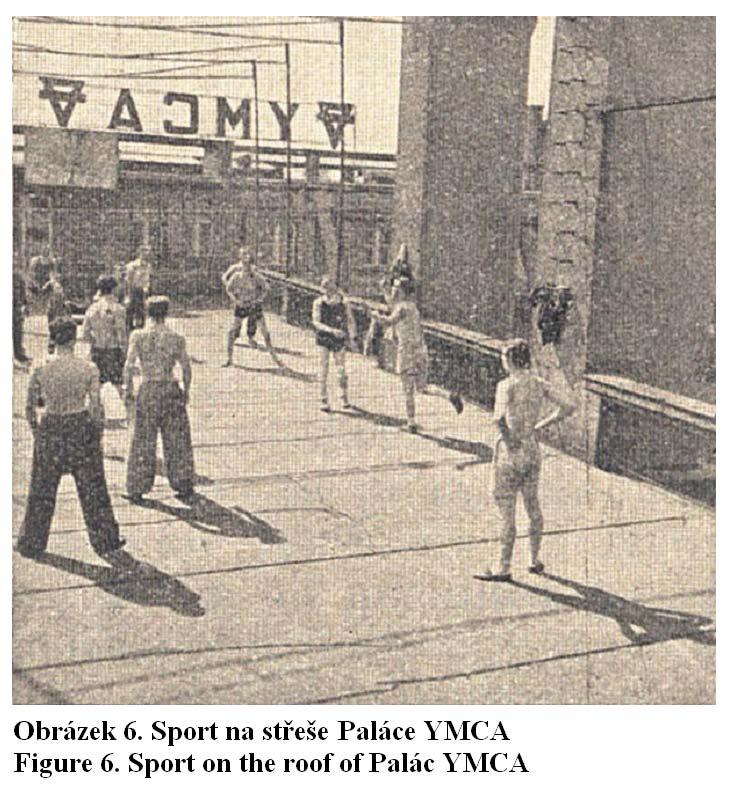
(351, 325)
(230, 283)
(187, 369)
(32, 400)
(500, 415)
(566, 407)
(317, 320)
(86, 328)
(132, 354)
(96, 410)
(120, 321)
(392, 319)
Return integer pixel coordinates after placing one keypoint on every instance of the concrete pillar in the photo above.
(457, 203)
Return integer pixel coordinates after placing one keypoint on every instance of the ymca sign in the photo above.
(187, 114)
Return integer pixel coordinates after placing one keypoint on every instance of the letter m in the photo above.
(477, 766)
(225, 115)
(454, 733)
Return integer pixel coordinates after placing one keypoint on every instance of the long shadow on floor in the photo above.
(641, 625)
(482, 452)
(161, 471)
(283, 371)
(208, 516)
(277, 350)
(359, 413)
(150, 587)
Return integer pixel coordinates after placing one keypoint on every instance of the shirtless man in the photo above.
(160, 406)
(105, 328)
(246, 289)
(67, 440)
(519, 402)
(137, 277)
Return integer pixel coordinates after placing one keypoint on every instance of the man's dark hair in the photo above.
(518, 354)
(158, 307)
(106, 284)
(62, 331)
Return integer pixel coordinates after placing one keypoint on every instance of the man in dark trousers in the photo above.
(160, 407)
(67, 440)
(20, 304)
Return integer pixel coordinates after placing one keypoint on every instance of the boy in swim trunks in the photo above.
(334, 324)
(519, 401)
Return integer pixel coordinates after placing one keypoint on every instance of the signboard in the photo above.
(75, 158)
(63, 103)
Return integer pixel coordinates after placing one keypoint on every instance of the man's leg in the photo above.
(506, 507)
(342, 376)
(409, 390)
(44, 478)
(177, 444)
(18, 350)
(267, 338)
(143, 449)
(534, 513)
(324, 369)
(88, 473)
(251, 327)
(233, 334)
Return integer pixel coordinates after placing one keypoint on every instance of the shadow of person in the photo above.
(148, 587)
(208, 516)
(276, 349)
(642, 625)
(482, 452)
(161, 471)
(279, 371)
(379, 419)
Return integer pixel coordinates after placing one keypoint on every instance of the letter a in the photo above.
(125, 102)
(335, 118)
(70, 97)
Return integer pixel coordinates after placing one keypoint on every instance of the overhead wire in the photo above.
(33, 49)
(175, 29)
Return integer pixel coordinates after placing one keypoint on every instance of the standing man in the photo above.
(56, 304)
(40, 269)
(105, 328)
(161, 406)
(20, 305)
(137, 276)
(246, 288)
(67, 440)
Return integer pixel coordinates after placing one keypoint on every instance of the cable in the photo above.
(173, 29)
(154, 56)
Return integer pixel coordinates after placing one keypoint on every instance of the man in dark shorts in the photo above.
(67, 440)
(105, 328)
(334, 325)
(246, 289)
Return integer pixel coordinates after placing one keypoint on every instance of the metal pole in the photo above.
(254, 74)
(341, 211)
(287, 61)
